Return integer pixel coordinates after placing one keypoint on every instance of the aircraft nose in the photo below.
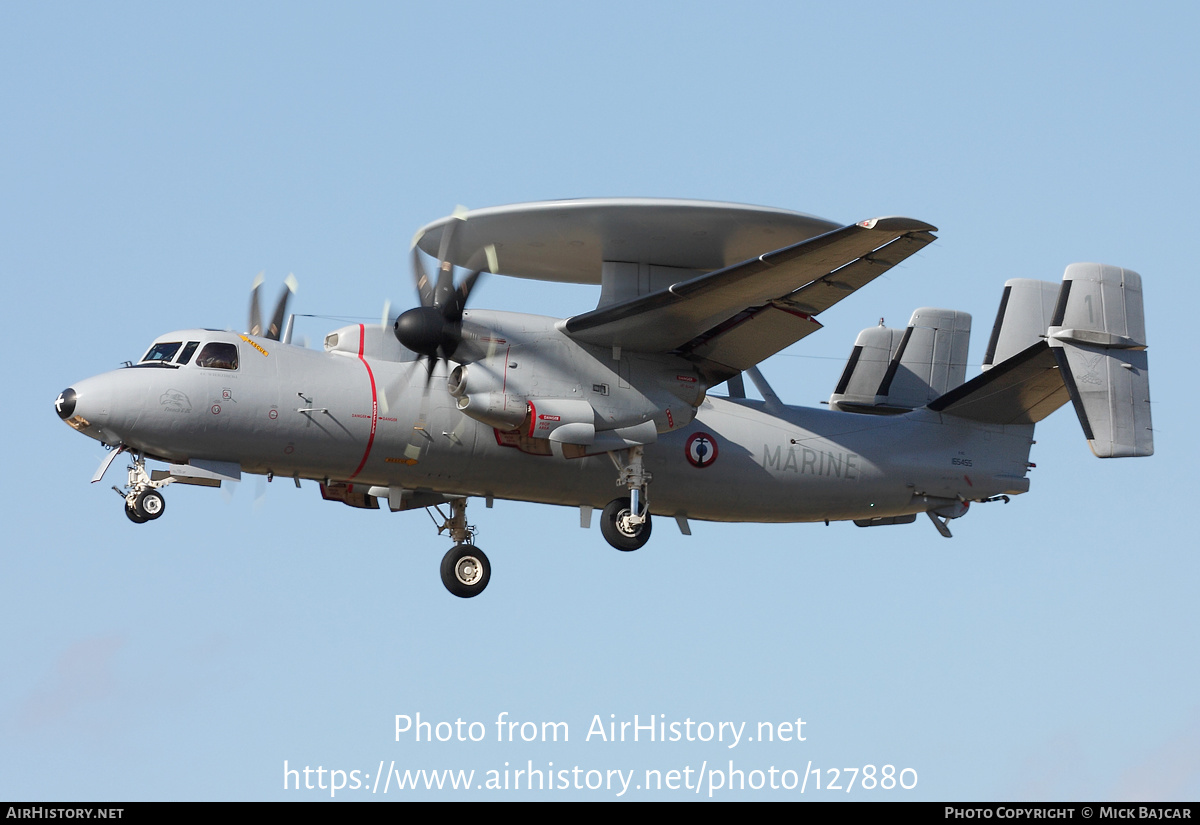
(64, 405)
(84, 407)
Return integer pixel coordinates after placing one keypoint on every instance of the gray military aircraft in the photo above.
(610, 409)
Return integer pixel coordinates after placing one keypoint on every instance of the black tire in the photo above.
(150, 505)
(466, 571)
(622, 539)
(134, 515)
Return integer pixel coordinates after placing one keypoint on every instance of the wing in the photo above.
(737, 316)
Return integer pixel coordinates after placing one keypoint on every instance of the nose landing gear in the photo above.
(143, 501)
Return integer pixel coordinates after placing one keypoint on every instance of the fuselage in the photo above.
(379, 418)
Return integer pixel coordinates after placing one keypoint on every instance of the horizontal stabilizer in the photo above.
(1023, 389)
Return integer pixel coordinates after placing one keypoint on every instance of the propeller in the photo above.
(273, 331)
(433, 330)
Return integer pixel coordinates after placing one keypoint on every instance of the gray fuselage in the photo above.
(350, 417)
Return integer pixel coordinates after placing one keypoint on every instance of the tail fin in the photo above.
(890, 371)
(1098, 337)
(1026, 309)
(1091, 352)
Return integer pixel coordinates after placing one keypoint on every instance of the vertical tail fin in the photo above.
(891, 371)
(1084, 341)
(1098, 337)
(858, 388)
(1026, 309)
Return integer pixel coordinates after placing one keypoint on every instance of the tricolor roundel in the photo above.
(701, 449)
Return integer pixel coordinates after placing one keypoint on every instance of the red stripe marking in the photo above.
(374, 402)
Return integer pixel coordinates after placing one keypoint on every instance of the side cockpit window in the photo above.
(186, 355)
(161, 353)
(218, 356)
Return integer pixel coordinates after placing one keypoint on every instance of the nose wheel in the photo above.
(150, 504)
(143, 501)
(146, 506)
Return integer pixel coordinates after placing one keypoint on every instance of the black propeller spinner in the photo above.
(434, 329)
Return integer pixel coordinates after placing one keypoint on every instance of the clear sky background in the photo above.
(156, 157)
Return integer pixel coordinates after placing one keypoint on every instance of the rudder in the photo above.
(1098, 337)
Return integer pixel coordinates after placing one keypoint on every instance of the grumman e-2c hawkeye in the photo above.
(609, 409)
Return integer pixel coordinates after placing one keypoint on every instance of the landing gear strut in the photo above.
(143, 501)
(625, 523)
(466, 571)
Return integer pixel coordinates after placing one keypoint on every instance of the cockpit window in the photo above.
(161, 352)
(218, 356)
(186, 355)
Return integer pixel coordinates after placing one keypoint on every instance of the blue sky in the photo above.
(157, 157)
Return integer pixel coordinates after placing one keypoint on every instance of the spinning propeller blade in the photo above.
(433, 330)
(424, 287)
(289, 289)
(256, 326)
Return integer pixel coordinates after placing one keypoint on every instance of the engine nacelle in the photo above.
(564, 408)
(569, 420)
(369, 340)
(496, 409)
(487, 400)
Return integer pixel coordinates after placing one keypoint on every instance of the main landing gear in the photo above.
(466, 571)
(625, 522)
(143, 501)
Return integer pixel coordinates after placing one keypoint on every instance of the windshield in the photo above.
(187, 351)
(161, 352)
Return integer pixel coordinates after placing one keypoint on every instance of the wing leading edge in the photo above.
(737, 316)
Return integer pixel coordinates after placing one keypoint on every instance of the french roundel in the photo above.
(701, 449)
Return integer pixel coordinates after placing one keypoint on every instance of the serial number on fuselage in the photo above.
(807, 461)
